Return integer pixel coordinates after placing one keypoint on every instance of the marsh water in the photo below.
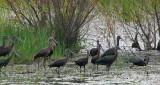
(119, 73)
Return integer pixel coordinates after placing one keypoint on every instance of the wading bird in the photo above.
(8, 49)
(3, 45)
(82, 61)
(108, 59)
(94, 51)
(60, 62)
(96, 57)
(44, 53)
(4, 62)
(139, 60)
(112, 51)
(135, 43)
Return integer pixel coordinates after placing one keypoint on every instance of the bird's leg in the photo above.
(107, 67)
(44, 63)
(3, 73)
(38, 65)
(97, 66)
(84, 69)
(131, 66)
(80, 69)
(58, 70)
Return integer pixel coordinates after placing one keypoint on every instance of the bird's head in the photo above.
(146, 59)
(119, 37)
(67, 52)
(14, 36)
(6, 37)
(53, 41)
(16, 54)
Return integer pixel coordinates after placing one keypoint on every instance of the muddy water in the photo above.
(120, 73)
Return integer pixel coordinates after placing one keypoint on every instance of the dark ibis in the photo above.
(3, 44)
(61, 61)
(158, 46)
(8, 49)
(94, 51)
(82, 61)
(44, 53)
(108, 59)
(139, 60)
(51, 50)
(96, 57)
(112, 51)
(4, 62)
(135, 43)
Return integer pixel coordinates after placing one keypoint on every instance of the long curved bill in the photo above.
(54, 42)
(71, 51)
(121, 50)
(102, 49)
(19, 39)
(151, 59)
(123, 40)
(10, 40)
(17, 55)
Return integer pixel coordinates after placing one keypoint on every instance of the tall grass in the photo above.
(33, 41)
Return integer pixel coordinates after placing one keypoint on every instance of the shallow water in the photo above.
(119, 73)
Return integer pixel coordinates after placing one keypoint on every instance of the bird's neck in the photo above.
(87, 56)
(117, 41)
(98, 50)
(136, 36)
(66, 58)
(12, 42)
(116, 50)
(50, 45)
(146, 61)
(3, 43)
(97, 44)
(10, 57)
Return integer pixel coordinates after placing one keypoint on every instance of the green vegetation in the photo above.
(34, 22)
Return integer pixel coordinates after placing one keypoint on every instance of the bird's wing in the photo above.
(42, 52)
(59, 62)
(6, 50)
(109, 52)
(80, 60)
(2, 62)
(104, 60)
(135, 59)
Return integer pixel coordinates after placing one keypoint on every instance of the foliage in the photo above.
(141, 15)
(64, 18)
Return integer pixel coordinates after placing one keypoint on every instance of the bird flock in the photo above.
(107, 58)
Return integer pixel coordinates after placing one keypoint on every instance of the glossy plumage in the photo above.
(94, 51)
(60, 62)
(139, 61)
(45, 52)
(3, 45)
(4, 62)
(111, 51)
(158, 46)
(96, 57)
(108, 59)
(82, 62)
(8, 49)
(135, 43)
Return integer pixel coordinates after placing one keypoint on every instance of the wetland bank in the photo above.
(120, 73)
(78, 25)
